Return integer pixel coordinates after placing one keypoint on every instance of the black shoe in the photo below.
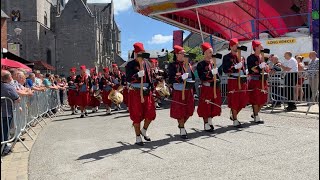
(291, 108)
(73, 113)
(86, 114)
(212, 127)
(252, 116)
(147, 139)
(22, 138)
(183, 136)
(82, 116)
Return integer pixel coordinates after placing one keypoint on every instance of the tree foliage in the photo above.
(196, 50)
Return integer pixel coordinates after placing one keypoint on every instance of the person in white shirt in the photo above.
(290, 65)
(313, 75)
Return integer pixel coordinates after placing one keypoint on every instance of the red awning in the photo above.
(40, 65)
(227, 19)
(8, 63)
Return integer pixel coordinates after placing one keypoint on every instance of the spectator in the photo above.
(38, 81)
(48, 82)
(21, 89)
(299, 90)
(31, 83)
(62, 88)
(275, 81)
(290, 66)
(7, 90)
(313, 75)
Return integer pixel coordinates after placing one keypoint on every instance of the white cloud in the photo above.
(119, 5)
(160, 39)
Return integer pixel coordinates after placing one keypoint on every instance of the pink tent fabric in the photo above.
(230, 19)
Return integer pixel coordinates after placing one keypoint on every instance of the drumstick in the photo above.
(239, 78)
(184, 81)
(262, 79)
(214, 78)
(141, 83)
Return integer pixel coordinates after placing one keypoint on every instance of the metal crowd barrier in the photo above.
(286, 87)
(295, 88)
(29, 112)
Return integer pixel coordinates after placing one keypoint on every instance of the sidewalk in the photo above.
(15, 165)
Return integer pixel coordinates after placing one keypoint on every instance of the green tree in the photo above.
(197, 50)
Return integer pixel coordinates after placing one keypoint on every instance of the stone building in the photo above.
(87, 34)
(63, 34)
(4, 28)
(36, 19)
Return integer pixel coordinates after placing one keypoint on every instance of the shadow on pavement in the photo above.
(151, 146)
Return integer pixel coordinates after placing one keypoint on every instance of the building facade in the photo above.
(4, 29)
(36, 19)
(87, 34)
(62, 34)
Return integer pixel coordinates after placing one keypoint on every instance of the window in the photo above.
(49, 56)
(45, 19)
(15, 15)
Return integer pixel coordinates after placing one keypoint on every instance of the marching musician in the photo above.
(156, 79)
(72, 90)
(257, 95)
(106, 84)
(140, 108)
(180, 71)
(237, 96)
(125, 89)
(206, 73)
(116, 76)
(83, 82)
(94, 102)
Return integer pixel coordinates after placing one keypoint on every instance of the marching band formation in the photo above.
(143, 85)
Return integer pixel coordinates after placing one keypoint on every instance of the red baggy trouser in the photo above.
(94, 102)
(125, 96)
(83, 99)
(257, 96)
(105, 99)
(141, 111)
(207, 110)
(72, 97)
(185, 109)
(239, 99)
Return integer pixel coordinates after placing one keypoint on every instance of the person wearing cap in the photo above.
(140, 110)
(206, 73)
(106, 84)
(125, 90)
(156, 79)
(116, 76)
(181, 109)
(233, 66)
(94, 102)
(257, 95)
(72, 90)
(83, 82)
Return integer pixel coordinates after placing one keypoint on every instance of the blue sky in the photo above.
(134, 27)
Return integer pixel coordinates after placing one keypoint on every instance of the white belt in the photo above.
(206, 84)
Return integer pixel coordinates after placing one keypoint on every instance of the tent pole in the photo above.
(200, 25)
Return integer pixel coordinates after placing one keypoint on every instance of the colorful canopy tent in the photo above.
(226, 19)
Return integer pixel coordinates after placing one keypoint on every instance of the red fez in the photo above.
(177, 49)
(205, 46)
(255, 44)
(73, 69)
(138, 47)
(233, 42)
(114, 65)
(83, 67)
(106, 69)
(153, 60)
